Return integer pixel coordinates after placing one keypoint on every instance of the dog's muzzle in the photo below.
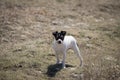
(59, 41)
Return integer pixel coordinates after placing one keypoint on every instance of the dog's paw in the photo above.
(59, 62)
(63, 67)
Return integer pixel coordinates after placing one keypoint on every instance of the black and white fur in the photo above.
(62, 43)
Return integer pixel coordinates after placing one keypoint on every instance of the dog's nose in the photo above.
(59, 42)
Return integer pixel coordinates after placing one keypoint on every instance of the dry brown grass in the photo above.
(25, 39)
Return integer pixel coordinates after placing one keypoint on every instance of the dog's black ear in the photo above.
(54, 33)
(63, 32)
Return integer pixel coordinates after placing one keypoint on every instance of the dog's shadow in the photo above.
(53, 69)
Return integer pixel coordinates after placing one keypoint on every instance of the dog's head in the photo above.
(59, 36)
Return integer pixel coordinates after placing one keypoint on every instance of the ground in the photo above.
(26, 28)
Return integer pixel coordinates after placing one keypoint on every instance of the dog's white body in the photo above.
(69, 42)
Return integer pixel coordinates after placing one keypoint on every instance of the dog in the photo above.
(62, 43)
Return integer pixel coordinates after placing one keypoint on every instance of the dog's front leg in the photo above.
(57, 57)
(63, 62)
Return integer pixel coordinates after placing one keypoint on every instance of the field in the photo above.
(26, 28)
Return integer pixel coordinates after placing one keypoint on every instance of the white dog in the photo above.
(62, 43)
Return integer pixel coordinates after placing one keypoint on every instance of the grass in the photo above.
(29, 61)
(26, 41)
(24, 61)
(32, 60)
(60, 1)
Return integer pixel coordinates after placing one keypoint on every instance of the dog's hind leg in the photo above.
(77, 51)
